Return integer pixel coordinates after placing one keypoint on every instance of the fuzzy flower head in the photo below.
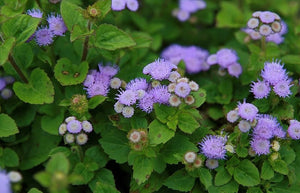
(118, 5)
(190, 157)
(235, 69)
(160, 94)
(244, 126)
(247, 111)
(182, 89)
(137, 84)
(282, 88)
(115, 83)
(108, 70)
(213, 147)
(87, 126)
(212, 163)
(260, 89)
(57, 25)
(2, 84)
(81, 139)
(146, 103)
(132, 5)
(128, 111)
(14, 176)
(74, 126)
(294, 129)
(232, 116)
(127, 97)
(35, 13)
(273, 72)
(226, 56)
(174, 100)
(44, 36)
(268, 17)
(260, 146)
(159, 70)
(134, 136)
(6, 93)
(98, 88)
(5, 186)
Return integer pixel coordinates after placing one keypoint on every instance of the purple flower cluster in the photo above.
(99, 82)
(194, 57)
(159, 69)
(267, 24)
(294, 129)
(187, 7)
(75, 131)
(5, 186)
(227, 59)
(6, 92)
(275, 76)
(213, 147)
(44, 35)
(118, 5)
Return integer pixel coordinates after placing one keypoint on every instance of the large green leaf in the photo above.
(205, 177)
(39, 90)
(280, 166)
(109, 37)
(163, 112)
(159, 133)
(180, 180)
(58, 163)
(222, 177)
(187, 123)
(103, 182)
(115, 144)
(142, 168)
(21, 27)
(70, 74)
(7, 126)
(96, 155)
(10, 158)
(246, 173)
(230, 15)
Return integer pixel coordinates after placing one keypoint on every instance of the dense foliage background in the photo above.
(48, 86)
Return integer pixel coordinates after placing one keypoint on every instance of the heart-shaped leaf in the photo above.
(39, 90)
(70, 74)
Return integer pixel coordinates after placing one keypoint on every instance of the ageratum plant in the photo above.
(149, 96)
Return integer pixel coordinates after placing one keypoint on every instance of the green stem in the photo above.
(86, 45)
(17, 69)
(78, 150)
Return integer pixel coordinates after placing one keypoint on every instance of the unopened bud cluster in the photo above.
(79, 104)
(75, 131)
(138, 139)
(192, 160)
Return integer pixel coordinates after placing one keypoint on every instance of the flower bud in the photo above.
(79, 104)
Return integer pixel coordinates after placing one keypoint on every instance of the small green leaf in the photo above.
(246, 173)
(5, 49)
(109, 37)
(284, 111)
(143, 40)
(81, 170)
(34, 190)
(96, 100)
(58, 163)
(97, 155)
(222, 177)
(70, 74)
(8, 126)
(254, 190)
(187, 123)
(292, 62)
(50, 124)
(39, 90)
(280, 166)
(241, 151)
(230, 15)
(10, 158)
(103, 182)
(163, 112)
(205, 177)
(200, 97)
(287, 154)
(159, 133)
(44, 178)
(139, 123)
(142, 168)
(180, 180)
(266, 171)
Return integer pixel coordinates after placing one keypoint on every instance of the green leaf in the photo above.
(34, 190)
(109, 37)
(24, 115)
(96, 100)
(8, 126)
(50, 124)
(230, 16)
(38, 146)
(139, 123)
(21, 27)
(222, 177)
(72, 15)
(96, 155)
(215, 113)
(177, 145)
(81, 170)
(187, 123)
(10, 158)
(266, 171)
(59, 149)
(246, 173)
(142, 168)
(287, 154)
(205, 177)
(143, 40)
(44, 178)
(254, 190)
(70, 74)
(292, 62)
(115, 144)
(200, 97)
(241, 151)
(280, 166)
(5, 49)
(180, 180)
(58, 163)
(23, 55)
(104, 6)
(284, 111)
(231, 187)
(159, 133)
(103, 182)
(39, 90)
(163, 112)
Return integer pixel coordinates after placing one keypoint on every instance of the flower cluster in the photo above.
(187, 7)
(266, 24)
(7, 178)
(98, 83)
(194, 57)
(275, 76)
(118, 5)
(74, 130)
(44, 35)
(294, 129)
(6, 92)
(138, 139)
(227, 59)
